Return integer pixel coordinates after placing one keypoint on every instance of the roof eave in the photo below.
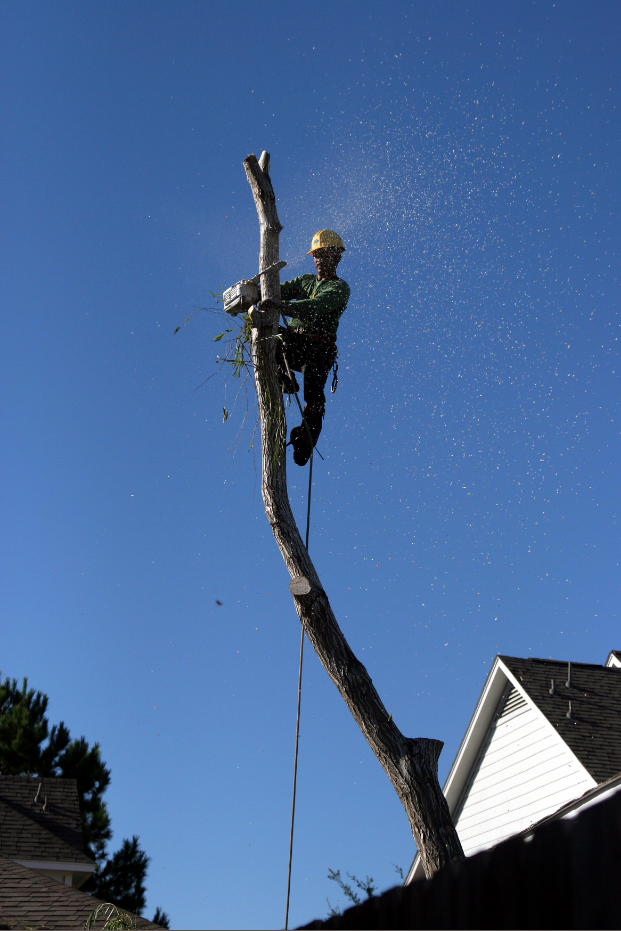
(67, 866)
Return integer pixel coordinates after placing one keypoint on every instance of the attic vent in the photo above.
(513, 702)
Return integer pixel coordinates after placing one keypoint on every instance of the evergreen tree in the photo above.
(28, 747)
(122, 879)
(161, 918)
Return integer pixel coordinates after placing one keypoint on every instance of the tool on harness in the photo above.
(335, 377)
(241, 296)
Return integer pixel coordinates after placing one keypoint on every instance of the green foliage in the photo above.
(161, 918)
(365, 885)
(24, 728)
(349, 892)
(237, 354)
(122, 878)
(218, 299)
(114, 918)
(236, 361)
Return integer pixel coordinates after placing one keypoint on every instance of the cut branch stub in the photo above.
(300, 586)
(410, 764)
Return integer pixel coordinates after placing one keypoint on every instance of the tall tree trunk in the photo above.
(411, 764)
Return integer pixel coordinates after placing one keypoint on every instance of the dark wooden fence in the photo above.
(568, 875)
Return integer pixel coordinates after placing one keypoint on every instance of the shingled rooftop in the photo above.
(30, 900)
(593, 732)
(40, 827)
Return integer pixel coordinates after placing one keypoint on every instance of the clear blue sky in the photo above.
(468, 153)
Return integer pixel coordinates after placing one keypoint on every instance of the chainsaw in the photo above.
(241, 296)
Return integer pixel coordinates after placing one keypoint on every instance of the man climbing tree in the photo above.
(315, 304)
(411, 763)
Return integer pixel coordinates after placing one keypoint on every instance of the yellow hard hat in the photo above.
(325, 238)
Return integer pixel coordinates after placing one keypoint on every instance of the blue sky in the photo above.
(468, 153)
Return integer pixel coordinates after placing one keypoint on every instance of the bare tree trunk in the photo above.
(410, 763)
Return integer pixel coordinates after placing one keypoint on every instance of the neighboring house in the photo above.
(544, 741)
(31, 900)
(41, 829)
(42, 859)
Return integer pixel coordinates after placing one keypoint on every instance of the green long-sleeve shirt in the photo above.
(315, 304)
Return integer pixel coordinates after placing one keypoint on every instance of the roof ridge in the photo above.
(559, 662)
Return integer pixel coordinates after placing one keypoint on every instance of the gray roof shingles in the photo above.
(593, 732)
(29, 833)
(29, 900)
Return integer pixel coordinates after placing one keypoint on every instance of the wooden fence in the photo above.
(567, 875)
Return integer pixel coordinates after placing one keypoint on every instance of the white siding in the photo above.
(524, 772)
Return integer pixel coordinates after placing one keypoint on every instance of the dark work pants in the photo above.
(314, 357)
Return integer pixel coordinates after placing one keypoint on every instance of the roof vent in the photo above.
(569, 713)
(513, 702)
(36, 798)
(551, 689)
(568, 683)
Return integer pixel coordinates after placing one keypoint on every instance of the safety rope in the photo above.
(297, 723)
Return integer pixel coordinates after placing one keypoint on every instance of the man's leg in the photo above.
(319, 361)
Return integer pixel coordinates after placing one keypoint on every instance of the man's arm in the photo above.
(330, 304)
(290, 290)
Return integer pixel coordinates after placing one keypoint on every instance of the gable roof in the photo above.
(592, 735)
(38, 830)
(30, 900)
(593, 732)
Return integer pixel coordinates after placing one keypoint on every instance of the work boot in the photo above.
(302, 446)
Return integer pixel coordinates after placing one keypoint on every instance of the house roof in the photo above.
(30, 900)
(593, 732)
(38, 830)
